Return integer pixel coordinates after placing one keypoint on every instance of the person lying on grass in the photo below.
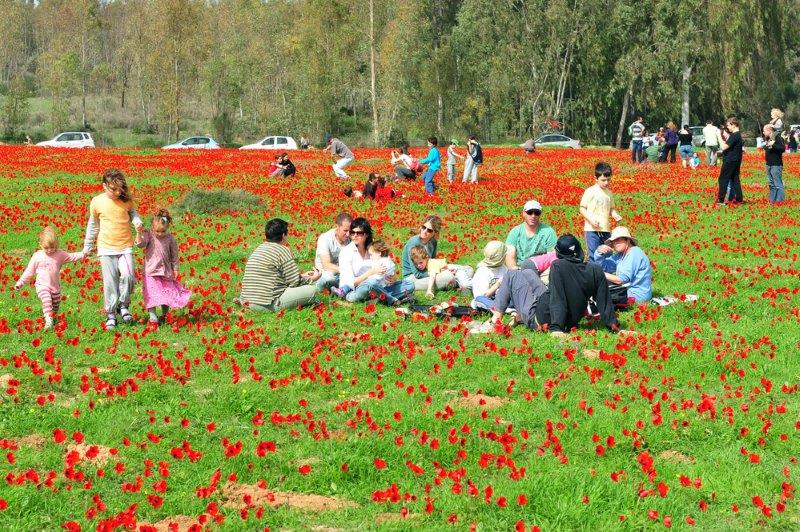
(462, 275)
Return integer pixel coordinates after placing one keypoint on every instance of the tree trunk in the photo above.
(373, 90)
(687, 74)
(625, 103)
(177, 103)
(439, 101)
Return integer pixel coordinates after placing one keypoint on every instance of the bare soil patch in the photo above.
(479, 401)
(243, 495)
(676, 456)
(96, 454)
(183, 522)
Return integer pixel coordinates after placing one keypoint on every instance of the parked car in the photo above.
(197, 143)
(698, 139)
(70, 139)
(557, 140)
(272, 143)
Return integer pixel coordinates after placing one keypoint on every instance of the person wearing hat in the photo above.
(572, 283)
(625, 262)
(530, 238)
(452, 154)
(489, 274)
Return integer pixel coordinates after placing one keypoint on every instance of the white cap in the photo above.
(532, 204)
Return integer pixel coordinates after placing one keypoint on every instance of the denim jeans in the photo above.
(427, 177)
(374, 289)
(687, 151)
(775, 181)
(636, 151)
(593, 241)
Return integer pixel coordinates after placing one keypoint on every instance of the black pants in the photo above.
(670, 150)
(729, 174)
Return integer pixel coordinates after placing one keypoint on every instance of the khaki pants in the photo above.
(291, 298)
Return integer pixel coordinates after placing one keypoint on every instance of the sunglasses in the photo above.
(427, 229)
(357, 232)
(533, 212)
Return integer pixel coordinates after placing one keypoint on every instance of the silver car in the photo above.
(557, 140)
(198, 142)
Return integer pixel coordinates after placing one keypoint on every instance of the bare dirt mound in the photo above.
(248, 495)
(479, 401)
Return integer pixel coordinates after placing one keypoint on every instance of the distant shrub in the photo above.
(214, 201)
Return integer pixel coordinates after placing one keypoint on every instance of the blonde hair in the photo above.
(380, 247)
(48, 239)
(776, 113)
(161, 220)
(435, 222)
(418, 252)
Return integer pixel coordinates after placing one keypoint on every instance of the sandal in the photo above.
(125, 314)
(111, 322)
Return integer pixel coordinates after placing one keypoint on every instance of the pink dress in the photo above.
(160, 268)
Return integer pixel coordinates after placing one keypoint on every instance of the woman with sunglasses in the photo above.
(354, 268)
(427, 238)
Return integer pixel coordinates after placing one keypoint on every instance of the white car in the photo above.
(557, 140)
(272, 143)
(197, 143)
(70, 139)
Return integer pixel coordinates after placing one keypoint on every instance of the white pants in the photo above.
(462, 276)
(118, 281)
(470, 171)
(338, 167)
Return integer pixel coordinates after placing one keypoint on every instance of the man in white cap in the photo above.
(625, 262)
(530, 238)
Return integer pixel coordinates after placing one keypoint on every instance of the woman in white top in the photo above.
(403, 163)
(354, 268)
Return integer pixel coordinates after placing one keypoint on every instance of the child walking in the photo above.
(451, 160)
(597, 209)
(46, 264)
(110, 216)
(434, 162)
(160, 269)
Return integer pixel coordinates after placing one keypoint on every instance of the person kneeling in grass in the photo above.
(462, 275)
(623, 261)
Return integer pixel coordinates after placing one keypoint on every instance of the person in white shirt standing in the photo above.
(711, 137)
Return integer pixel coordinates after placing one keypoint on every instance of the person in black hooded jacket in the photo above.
(572, 283)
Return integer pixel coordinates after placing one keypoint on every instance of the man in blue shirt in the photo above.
(625, 263)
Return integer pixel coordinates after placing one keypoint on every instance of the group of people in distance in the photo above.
(544, 281)
(111, 215)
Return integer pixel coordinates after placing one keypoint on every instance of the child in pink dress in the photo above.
(46, 264)
(160, 269)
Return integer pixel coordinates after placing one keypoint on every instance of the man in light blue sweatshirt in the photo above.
(434, 162)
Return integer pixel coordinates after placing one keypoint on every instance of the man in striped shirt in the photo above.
(272, 281)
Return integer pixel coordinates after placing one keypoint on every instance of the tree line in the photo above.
(382, 71)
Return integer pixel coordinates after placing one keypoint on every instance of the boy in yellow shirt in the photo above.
(597, 209)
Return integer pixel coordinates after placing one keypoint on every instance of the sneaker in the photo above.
(48, 324)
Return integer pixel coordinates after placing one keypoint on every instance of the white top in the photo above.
(403, 158)
(327, 245)
(711, 135)
(483, 278)
(391, 269)
(351, 265)
(598, 203)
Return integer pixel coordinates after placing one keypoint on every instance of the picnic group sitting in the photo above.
(542, 281)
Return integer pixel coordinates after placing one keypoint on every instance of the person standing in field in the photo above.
(636, 131)
(452, 154)
(711, 138)
(732, 148)
(110, 216)
(434, 162)
(597, 209)
(773, 153)
(345, 156)
(670, 142)
(473, 160)
(686, 147)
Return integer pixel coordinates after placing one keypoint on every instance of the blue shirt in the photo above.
(433, 160)
(634, 268)
(408, 264)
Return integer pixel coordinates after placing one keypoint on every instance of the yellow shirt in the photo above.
(115, 222)
(598, 204)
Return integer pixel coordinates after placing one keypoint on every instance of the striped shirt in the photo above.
(269, 271)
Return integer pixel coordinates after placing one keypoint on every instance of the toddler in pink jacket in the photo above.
(46, 264)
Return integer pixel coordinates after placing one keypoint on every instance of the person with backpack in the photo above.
(406, 167)
(473, 161)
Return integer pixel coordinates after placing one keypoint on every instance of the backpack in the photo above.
(415, 166)
(477, 153)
